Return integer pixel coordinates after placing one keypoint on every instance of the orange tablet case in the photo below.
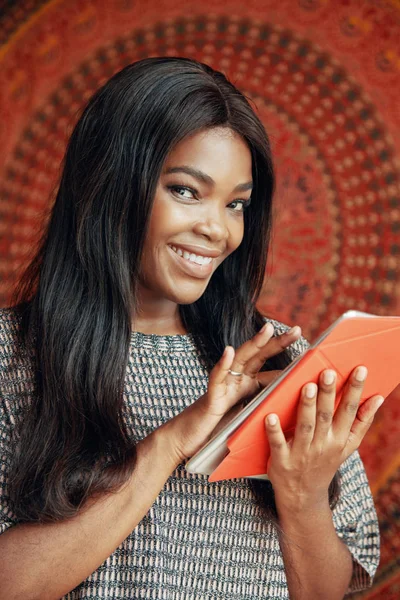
(374, 342)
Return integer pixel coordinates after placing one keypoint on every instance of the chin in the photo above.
(187, 296)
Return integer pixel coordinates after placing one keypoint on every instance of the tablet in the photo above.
(351, 328)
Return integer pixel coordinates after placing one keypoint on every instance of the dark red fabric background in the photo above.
(324, 76)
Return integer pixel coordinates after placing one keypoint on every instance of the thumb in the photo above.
(264, 378)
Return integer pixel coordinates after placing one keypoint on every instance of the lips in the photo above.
(199, 259)
(198, 250)
(189, 266)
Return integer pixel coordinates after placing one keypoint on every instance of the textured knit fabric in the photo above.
(199, 540)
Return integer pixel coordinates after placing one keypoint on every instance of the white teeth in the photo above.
(200, 260)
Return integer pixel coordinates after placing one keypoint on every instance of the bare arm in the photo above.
(47, 561)
(318, 564)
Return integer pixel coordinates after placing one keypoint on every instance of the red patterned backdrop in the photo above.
(325, 78)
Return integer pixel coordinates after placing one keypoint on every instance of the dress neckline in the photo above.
(154, 341)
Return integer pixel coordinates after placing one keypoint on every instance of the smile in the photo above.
(190, 256)
(194, 265)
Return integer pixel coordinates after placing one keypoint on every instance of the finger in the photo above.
(252, 347)
(276, 439)
(348, 407)
(252, 355)
(264, 378)
(220, 371)
(220, 396)
(275, 346)
(305, 423)
(362, 422)
(325, 405)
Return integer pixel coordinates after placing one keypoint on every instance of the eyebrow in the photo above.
(204, 178)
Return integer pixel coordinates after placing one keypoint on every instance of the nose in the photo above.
(212, 226)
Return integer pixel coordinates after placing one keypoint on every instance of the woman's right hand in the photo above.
(195, 425)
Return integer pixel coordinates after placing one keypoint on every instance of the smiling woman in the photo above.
(132, 337)
(197, 221)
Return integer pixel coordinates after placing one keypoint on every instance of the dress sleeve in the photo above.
(12, 397)
(7, 518)
(298, 347)
(354, 515)
(356, 522)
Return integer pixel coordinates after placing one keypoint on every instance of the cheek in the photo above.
(168, 218)
(236, 233)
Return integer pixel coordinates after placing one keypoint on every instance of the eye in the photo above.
(178, 189)
(240, 205)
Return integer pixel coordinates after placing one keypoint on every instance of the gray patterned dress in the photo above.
(199, 540)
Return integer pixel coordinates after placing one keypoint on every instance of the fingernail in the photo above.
(267, 326)
(329, 377)
(379, 402)
(225, 352)
(294, 330)
(272, 419)
(361, 373)
(310, 390)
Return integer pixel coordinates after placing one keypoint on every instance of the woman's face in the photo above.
(197, 217)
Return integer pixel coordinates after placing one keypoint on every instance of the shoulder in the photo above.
(9, 326)
(10, 347)
(16, 364)
(298, 347)
(13, 399)
(9, 322)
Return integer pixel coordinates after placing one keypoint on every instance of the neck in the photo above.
(158, 317)
(158, 327)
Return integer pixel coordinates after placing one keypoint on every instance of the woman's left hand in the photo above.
(302, 468)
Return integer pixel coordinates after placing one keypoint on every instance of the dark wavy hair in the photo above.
(78, 295)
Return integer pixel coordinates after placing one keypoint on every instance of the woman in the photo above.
(133, 336)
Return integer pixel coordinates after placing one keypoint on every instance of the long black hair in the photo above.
(78, 295)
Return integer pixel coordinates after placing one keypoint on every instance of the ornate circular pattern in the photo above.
(337, 225)
(336, 242)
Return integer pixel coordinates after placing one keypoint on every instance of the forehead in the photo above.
(220, 152)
